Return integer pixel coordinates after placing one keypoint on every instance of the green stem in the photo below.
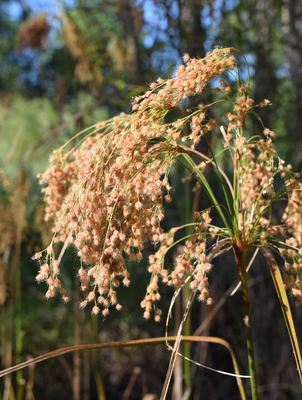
(187, 345)
(18, 322)
(240, 256)
(187, 292)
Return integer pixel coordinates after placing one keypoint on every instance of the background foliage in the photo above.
(65, 67)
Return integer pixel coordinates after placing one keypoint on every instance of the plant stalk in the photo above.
(240, 257)
(187, 292)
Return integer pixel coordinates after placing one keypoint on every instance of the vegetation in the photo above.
(109, 192)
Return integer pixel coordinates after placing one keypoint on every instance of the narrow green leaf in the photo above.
(279, 285)
(201, 178)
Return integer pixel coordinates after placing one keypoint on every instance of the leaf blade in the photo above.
(281, 292)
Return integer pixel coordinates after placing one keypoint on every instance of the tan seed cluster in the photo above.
(107, 195)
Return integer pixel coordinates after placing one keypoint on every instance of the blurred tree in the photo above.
(292, 30)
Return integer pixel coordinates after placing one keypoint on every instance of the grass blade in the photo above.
(279, 285)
